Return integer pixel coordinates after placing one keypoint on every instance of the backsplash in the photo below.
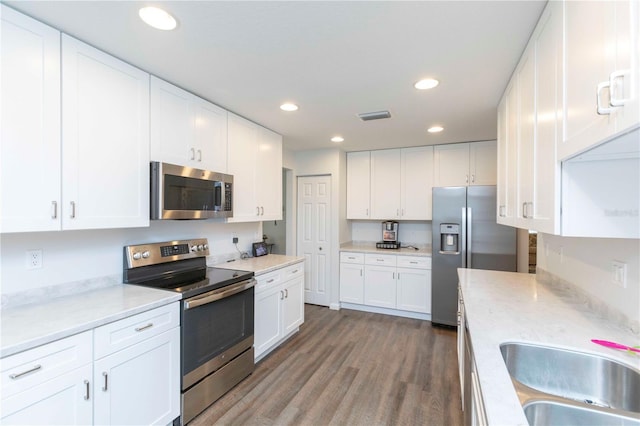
(79, 258)
(586, 263)
(416, 233)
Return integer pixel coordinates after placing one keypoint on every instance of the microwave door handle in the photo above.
(218, 294)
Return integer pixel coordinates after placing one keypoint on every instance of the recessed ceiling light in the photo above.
(435, 129)
(157, 18)
(337, 139)
(289, 107)
(427, 83)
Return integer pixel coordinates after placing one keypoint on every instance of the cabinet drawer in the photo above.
(418, 262)
(350, 257)
(128, 331)
(293, 271)
(380, 259)
(35, 366)
(268, 280)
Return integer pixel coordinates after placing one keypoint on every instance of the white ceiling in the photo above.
(334, 59)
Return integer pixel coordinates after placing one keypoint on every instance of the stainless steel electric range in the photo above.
(216, 316)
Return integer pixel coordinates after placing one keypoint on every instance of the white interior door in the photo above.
(314, 230)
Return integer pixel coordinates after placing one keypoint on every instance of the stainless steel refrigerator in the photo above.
(465, 235)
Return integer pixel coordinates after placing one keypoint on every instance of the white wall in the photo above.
(329, 162)
(586, 263)
(70, 256)
(410, 233)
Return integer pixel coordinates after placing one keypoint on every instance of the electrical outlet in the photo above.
(619, 273)
(34, 259)
(235, 240)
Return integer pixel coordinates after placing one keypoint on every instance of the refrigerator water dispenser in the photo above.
(449, 238)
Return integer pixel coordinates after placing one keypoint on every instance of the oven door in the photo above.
(216, 327)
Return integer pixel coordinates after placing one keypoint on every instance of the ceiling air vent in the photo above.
(378, 115)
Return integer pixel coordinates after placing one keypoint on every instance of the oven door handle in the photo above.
(218, 294)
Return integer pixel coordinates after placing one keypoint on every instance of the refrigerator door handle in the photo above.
(469, 236)
(463, 243)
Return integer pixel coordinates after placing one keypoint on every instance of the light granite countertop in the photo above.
(363, 247)
(514, 307)
(27, 326)
(263, 264)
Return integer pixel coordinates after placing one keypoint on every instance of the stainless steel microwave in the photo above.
(179, 192)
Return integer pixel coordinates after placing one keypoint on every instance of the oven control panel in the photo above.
(168, 251)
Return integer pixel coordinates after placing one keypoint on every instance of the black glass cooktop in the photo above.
(194, 281)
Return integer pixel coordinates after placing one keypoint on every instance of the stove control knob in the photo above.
(206, 246)
(137, 256)
(200, 247)
(145, 254)
(194, 248)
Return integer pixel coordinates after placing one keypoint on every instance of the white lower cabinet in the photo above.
(83, 379)
(397, 282)
(139, 384)
(279, 307)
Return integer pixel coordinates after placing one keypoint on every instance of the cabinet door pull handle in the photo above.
(270, 281)
(524, 210)
(144, 327)
(366, 212)
(613, 100)
(351, 257)
(397, 212)
(473, 178)
(286, 293)
(413, 263)
(257, 211)
(281, 295)
(73, 209)
(261, 210)
(466, 178)
(360, 271)
(193, 153)
(599, 108)
(86, 395)
(199, 155)
(24, 373)
(54, 210)
(106, 381)
(293, 272)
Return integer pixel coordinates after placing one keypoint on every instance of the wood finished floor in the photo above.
(350, 368)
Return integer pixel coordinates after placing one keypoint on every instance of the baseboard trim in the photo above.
(386, 311)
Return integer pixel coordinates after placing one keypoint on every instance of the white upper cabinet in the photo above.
(187, 130)
(78, 119)
(529, 125)
(358, 184)
(385, 184)
(255, 161)
(269, 174)
(601, 72)
(30, 125)
(465, 164)
(416, 183)
(105, 140)
(390, 184)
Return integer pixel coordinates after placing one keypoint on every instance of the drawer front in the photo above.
(35, 366)
(268, 280)
(380, 259)
(118, 335)
(350, 257)
(293, 271)
(419, 262)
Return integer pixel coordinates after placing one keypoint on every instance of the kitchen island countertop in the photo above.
(263, 264)
(514, 307)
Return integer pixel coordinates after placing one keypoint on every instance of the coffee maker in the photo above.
(389, 235)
